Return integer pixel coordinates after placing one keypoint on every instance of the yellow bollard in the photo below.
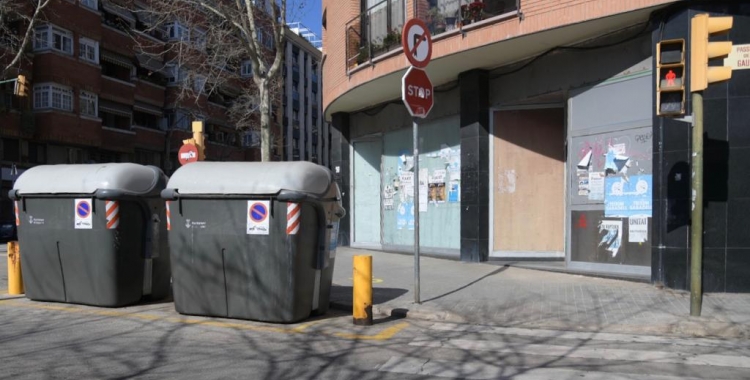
(362, 289)
(15, 280)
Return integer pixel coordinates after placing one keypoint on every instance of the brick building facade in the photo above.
(94, 97)
(543, 143)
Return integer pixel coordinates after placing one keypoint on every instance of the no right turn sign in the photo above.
(417, 43)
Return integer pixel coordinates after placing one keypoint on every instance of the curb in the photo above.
(685, 328)
(609, 276)
(400, 312)
(11, 297)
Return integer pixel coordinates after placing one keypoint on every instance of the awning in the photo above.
(149, 62)
(115, 108)
(147, 108)
(116, 59)
(118, 10)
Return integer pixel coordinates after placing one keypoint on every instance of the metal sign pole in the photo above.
(416, 211)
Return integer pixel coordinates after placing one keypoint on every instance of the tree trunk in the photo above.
(265, 123)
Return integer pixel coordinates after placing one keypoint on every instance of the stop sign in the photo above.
(188, 153)
(416, 92)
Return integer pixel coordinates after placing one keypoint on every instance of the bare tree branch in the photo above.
(29, 11)
(225, 51)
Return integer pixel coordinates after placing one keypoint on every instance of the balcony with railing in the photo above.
(377, 30)
(446, 15)
(374, 32)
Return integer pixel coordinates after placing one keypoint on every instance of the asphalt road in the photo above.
(50, 341)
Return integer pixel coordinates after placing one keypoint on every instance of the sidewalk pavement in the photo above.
(487, 294)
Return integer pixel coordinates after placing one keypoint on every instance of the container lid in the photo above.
(268, 178)
(125, 178)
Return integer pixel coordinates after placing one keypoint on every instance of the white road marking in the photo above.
(610, 337)
(589, 353)
(478, 370)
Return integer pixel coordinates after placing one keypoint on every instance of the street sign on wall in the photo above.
(417, 92)
(417, 43)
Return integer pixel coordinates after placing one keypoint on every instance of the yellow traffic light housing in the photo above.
(21, 88)
(198, 140)
(702, 26)
(670, 78)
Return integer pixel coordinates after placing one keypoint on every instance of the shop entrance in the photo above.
(529, 183)
(366, 192)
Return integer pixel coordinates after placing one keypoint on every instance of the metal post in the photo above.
(369, 34)
(696, 225)
(362, 290)
(416, 212)
(15, 278)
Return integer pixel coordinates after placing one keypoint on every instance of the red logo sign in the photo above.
(417, 92)
(417, 42)
(188, 153)
(582, 222)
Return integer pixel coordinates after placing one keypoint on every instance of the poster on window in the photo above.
(437, 187)
(628, 197)
(611, 231)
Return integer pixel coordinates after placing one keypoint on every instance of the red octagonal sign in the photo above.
(188, 153)
(416, 92)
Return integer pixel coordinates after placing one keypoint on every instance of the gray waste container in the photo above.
(253, 240)
(92, 234)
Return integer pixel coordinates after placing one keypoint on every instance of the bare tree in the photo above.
(17, 21)
(223, 49)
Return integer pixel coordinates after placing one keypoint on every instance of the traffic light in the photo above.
(21, 87)
(702, 26)
(198, 140)
(670, 74)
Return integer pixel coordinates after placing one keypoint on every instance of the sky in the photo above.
(308, 12)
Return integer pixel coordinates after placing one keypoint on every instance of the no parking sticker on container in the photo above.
(82, 213)
(258, 218)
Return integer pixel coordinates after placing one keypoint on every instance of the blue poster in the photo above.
(405, 216)
(453, 192)
(626, 198)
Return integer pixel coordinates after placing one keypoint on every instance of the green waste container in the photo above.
(92, 234)
(252, 240)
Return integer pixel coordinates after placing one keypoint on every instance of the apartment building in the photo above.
(544, 141)
(306, 134)
(95, 96)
